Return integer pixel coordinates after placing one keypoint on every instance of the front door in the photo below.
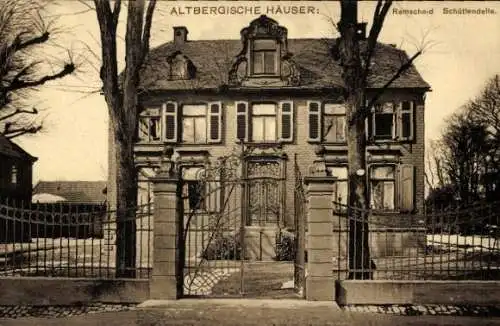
(264, 193)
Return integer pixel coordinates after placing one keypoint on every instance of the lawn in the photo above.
(260, 280)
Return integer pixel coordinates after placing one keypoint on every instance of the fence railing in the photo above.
(69, 240)
(460, 244)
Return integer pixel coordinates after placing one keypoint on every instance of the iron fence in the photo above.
(439, 244)
(70, 240)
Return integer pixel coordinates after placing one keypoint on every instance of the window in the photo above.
(201, 189)
(406, 130)
(194, 188)
(391, 121)
(194, 124)
(199, 123)
(150, 125)
(341, 190)
(264, 57)
(334, 123)
(327, 124)
(382, 187)
(384, 121)
(264, 122)
(13, 175)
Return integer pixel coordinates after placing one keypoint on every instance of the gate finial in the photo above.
(167, 163)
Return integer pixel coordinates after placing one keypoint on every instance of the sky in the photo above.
(461, 51)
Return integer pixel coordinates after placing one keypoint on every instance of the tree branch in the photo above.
(19, 111)
(116, 12)
(68, 69)
(147, 29)
(12, 133)
(23, 72)
(35, 40)
(362, 113)
(378, 22)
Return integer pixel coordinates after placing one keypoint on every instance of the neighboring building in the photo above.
(16, 171)
(83, 192)
(285, 96)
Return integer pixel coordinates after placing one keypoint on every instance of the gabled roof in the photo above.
(74, 191)
(10, 149)
(213, 60)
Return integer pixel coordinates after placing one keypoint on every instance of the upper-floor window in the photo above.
(264, 57)
(327, 122)
(334, 123)
(198, 123)
(150, 125)
(194, 124)
(264, 122)
(391, 121)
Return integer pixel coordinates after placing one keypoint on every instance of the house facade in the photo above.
(16, 168)
(282, 97)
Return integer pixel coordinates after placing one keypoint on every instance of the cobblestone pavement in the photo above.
(417, 310)
(238, 312)
(14, 312)
(61, 311)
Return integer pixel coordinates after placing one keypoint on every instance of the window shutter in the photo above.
(369, 122)
(214, 122)
(406, 187)
(314, 121)
(286, 121)
(242, 121)
(170, 121)
(406, 122)
(212, 200)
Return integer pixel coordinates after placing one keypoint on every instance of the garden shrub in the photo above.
(285, 246)
(223, 247)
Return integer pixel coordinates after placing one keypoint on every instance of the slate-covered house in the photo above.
(282, 95)
(16, 167)
(81, 192)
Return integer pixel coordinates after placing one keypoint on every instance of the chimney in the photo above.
(361, 31)
(180, 35)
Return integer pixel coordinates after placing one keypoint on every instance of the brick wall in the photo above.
(150, 153)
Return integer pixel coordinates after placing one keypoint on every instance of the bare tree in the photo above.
(355, 64)
(467, 159)
(23, 66)
(121, 95)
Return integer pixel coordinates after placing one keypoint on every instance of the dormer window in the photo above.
(265, 57)
(181, 68)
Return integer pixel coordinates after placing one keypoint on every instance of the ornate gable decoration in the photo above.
(264, 60)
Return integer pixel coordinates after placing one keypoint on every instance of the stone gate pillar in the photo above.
(166, 279)
(320, 283)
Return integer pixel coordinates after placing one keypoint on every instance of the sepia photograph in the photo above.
(249, 162)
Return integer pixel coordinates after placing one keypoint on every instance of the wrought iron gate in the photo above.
(220, 201)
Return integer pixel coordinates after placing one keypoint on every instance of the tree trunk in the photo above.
(123, 112)
(126, 192)
(354, 93)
